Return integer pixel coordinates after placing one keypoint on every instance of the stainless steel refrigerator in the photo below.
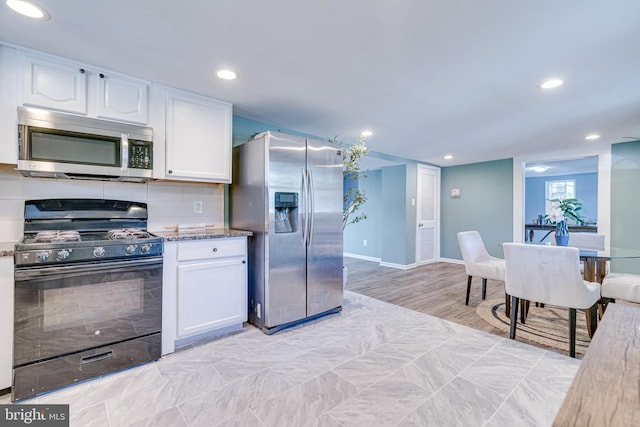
(287, 190)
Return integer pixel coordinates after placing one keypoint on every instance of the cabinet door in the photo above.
(198, 139)
(55, 85)
(211, 295)
(6, 321)
(9, 65)
(121, 98)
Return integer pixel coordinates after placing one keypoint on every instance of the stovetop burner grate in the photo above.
(127, 233)
(57, 236)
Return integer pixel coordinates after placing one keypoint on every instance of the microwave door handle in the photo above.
(124, 151)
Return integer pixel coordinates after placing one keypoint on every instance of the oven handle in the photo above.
(32, 273)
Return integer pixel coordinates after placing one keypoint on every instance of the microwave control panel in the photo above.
(140, 153)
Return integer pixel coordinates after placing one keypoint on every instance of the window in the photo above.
(560, 190)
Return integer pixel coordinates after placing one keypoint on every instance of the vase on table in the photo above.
(562, 233)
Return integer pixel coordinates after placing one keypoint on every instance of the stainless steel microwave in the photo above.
(61, 145)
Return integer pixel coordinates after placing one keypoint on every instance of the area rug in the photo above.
(548, 326)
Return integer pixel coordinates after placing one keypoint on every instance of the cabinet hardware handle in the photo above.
(244, 261)
(169, 171)
(101, 75)
(82, 71)
(215, 249)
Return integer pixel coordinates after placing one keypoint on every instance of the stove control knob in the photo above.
(130, 249)
(62, 255)
(146, 248)
(99, 252)
(42, 256)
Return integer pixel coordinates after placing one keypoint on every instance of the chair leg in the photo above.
(484, 288)
(468, 290)
(507, 304)
(572, 332)
(524, 310)
(513, 317)
(592, 324)
(604, 303)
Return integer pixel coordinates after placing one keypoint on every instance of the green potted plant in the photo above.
(559, 211)
(353, 198)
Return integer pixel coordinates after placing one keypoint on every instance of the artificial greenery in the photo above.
(353, 197)
(561, 209)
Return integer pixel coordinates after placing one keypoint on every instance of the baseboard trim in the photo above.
(398, 266)
(452, 261)
(362, 257)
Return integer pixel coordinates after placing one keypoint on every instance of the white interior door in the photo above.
(428, 215)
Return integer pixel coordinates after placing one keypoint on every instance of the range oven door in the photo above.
(69, 309)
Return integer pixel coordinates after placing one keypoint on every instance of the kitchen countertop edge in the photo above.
(211, 233)
(7, 249)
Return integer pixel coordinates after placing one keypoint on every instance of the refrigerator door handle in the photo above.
(311, 206)
(304, 215)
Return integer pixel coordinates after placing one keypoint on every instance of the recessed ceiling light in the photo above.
(448, 157)
(551, 83)
(539, 168)
(227, 74)
(366, 133)
(29, 9)
(592, 136)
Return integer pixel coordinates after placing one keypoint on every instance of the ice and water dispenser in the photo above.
(286, 212)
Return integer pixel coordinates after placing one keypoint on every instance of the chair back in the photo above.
(587, 241)
(472, 247)
(547, 274)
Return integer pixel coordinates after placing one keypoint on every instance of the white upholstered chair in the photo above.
(478, 262)
(549, 275)
(583, 241)
(621, 286)
(587, 241)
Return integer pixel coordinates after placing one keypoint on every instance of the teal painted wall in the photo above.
(393, 235)
(485, 205)
(369, 229)
(625, 204)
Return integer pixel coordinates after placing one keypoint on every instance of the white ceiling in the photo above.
(428, 77)
(563, 167)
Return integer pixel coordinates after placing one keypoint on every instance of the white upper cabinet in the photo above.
(198, 138)
(66, 86)
(122, 98)
(8, 113)
(54, 85)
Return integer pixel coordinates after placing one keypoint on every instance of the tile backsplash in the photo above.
(170, 203)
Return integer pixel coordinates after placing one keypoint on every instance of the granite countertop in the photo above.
(7, 249)
(200, 234)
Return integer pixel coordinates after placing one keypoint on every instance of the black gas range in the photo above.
(88, 292)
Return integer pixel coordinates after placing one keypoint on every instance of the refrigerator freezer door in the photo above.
(324, 253)
(285, 284)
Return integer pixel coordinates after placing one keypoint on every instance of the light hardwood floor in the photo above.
(436, 289)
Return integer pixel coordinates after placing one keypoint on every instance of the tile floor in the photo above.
(373, 364)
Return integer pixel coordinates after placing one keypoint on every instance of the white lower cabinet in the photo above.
(205, 289)
(208, 295)
(6, 321)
